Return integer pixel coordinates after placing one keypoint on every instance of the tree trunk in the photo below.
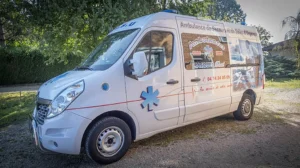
(298, 54)
(164, 4)
(2, 37)
(297, 50)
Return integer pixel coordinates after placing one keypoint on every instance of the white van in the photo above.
(150, 75)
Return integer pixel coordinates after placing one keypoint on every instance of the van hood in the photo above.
(54, 86)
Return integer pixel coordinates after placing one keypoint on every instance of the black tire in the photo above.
(95, 151)
(243, 112)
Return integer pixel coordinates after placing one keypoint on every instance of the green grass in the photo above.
(14, 108)
(283, 83)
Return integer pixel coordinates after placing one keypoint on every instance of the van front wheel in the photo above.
(108, 140)
(245, 109)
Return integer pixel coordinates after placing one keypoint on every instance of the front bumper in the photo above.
(62, 134)
(33, 130)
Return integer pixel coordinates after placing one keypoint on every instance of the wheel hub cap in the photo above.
(110, 141)
(246, 107)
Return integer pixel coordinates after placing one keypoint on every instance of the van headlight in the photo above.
(65, 98)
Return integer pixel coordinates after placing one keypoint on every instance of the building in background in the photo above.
(285, 49)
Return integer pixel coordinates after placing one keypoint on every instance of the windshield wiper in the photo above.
(83, 68)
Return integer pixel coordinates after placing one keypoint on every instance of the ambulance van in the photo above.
(151, 74)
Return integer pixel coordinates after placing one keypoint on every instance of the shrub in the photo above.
(20, 66)
(280, 67)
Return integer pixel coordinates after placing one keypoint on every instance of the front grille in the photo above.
(41, 112)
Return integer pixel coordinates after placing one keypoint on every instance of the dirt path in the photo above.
(270, 139)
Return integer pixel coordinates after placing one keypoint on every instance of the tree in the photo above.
(264, 36)
(12, 21)
(227, 10)
(294, 24)
(192, 7)
(294, 33)
(57, 28)
(77, 26)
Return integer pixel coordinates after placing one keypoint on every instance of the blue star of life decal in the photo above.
(150, 98)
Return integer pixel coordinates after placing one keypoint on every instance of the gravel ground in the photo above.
(290, 95)
(270, 139)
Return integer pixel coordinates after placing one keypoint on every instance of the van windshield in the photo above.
(109, 51)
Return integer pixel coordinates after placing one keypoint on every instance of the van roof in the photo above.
(143, 21)
(152, 19)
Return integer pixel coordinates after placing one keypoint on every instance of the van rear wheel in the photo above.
(108, 140)
(245, 109)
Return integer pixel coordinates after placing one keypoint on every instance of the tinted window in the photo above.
(158, 47)
(203, 51)
(110, 50)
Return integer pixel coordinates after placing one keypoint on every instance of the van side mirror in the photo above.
(139, 63)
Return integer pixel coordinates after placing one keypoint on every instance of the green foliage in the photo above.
(193, 8)
(297, 48)
(12, 21)
(228, 11)
(14, 108)
(76, 27)
(21, 65)
(225, 10)
(280, 67)
(294, 33)
(264, 36)
(58, 27)
(294, 24)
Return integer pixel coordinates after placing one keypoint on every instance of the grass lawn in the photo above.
(283, 83)
(14, 108)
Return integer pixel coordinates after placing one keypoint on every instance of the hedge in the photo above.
(280, 67)
(20, 66)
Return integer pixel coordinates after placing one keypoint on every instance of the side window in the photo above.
(204, 51)
(244, 52)
(158, 47)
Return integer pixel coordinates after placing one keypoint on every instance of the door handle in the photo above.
(172, 81)
(195, 80)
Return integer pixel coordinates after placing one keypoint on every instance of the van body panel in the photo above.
(166, 113)
(93, 94)
(207, 114)
(207, 105)
(212, 88)
(247, 56)
(60, 82)
(138, 23)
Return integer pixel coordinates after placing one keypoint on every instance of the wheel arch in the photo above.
(119, 114)
(251, 93)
